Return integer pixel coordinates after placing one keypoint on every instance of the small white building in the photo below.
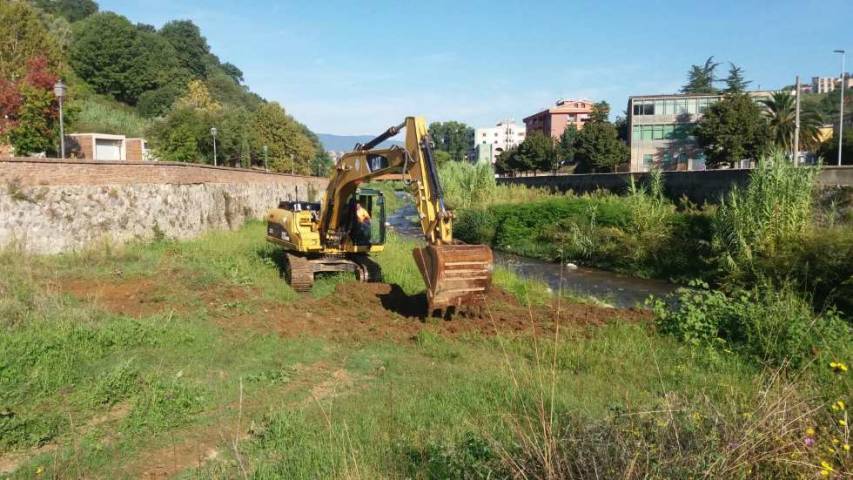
(489, 142)
(107, 147)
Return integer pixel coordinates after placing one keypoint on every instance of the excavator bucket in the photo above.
(455, 275)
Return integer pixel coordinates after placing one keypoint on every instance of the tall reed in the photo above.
(773, 209)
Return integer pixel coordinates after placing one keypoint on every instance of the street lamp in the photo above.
(266, 162)
(213, 133)
(841, 111)
(59, 90)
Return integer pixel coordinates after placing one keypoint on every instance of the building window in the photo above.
(644, 108)
(648, 158)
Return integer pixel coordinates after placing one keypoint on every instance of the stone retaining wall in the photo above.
(51, 206)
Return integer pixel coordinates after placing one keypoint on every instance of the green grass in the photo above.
(100, 115)
(432, 406)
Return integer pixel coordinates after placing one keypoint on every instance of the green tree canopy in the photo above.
(566, 146)
(598, 148)
(24, 37)
(732, 129)
(455, 138)
(735, 83)
(190, 46)
(700, 78)
(289, 148)
(71, 10)
(117, 59)
(600, 112)
(232, 71)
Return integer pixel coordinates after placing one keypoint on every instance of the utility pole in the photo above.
(213, 132)
(266, 161)
(797, 127)
(59, 90)
(292, 165)
(841, 110)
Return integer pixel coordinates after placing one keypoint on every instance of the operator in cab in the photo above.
(361, 228)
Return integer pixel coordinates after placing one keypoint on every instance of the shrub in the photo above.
(775, 325)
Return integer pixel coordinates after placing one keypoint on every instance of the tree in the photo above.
(117, 59)
(829, 150)
(566, 147)
(780, 112)
(732, 129)
(199, 98)
(24, 37)
(323, 164)
(190, 46)
(600, 112)
(735, 83)
(598, 148)
(455, 138)
(30, 118)
(71, 10)
(232, 71)
(180, 136)
(154, 103)
(502, 162)
(289, 148)
(700, 78)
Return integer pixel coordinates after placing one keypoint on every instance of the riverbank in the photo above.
(194, 359)
(600, 286)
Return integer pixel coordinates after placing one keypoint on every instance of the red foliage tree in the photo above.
(28, 110)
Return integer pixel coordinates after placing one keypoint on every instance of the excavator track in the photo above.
(369, 269)
(299, 273)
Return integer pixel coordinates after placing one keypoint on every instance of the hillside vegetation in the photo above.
(138, 80)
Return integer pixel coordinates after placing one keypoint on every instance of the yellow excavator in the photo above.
(338, 233)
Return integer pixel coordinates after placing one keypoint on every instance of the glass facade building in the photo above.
(660, 130)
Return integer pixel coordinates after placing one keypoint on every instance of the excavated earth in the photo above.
(353, 311)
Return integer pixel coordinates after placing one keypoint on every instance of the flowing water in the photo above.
(608, 287)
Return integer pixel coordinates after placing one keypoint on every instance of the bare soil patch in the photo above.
(139, 297)
(380, 310)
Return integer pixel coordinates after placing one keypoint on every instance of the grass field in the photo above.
(194, 360)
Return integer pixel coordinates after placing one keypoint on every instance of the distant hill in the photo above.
(344, 143)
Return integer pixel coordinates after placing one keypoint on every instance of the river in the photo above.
(608, 287)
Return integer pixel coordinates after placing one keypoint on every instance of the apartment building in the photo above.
(490, 142)
(553, 121)
(660, 130)
(829, 84)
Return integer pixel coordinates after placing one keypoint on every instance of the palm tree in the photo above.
(780, 111)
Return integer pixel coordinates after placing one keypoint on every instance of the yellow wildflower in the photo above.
(839, 406)
(846, 447)
(838, 367)
(843, 423)
(810, 431)
(835, 441)
(39, 470)
(824, 473)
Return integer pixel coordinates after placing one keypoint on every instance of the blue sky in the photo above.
(350, 67)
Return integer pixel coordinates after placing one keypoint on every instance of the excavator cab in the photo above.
(365, 218)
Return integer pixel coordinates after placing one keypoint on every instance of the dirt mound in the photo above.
(354, 311)
(380, 310)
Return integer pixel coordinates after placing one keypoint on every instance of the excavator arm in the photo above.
(454, 273)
